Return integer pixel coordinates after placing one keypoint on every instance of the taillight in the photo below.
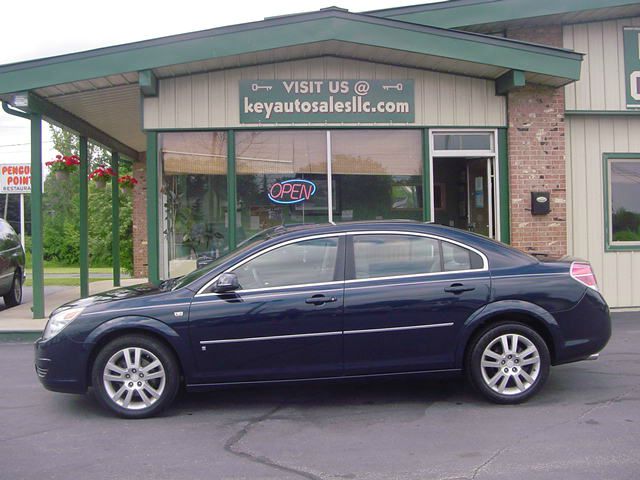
(582, 272)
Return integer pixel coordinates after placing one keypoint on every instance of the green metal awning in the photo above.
(277, 33)
(494, 15)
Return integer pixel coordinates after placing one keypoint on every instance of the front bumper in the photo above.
(61, 364)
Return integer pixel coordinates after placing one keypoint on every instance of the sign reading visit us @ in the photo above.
(15, 177)
(632, 65)
(326, 101)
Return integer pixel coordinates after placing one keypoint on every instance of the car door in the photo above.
(284, 322)
(406, 297)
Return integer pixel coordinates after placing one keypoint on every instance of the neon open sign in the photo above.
(292, 191)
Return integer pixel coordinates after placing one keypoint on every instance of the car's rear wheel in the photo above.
(14, 296)
(135, 376)
(508, 363)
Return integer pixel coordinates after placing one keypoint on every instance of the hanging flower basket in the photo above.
(101, 176)
(127, 182)
(63, 165)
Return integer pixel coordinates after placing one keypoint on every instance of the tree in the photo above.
(61, 211)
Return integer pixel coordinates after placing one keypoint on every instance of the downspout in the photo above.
(15, 112)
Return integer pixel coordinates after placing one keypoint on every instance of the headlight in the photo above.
(60, 320)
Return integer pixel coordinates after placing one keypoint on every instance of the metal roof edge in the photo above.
(451, 13)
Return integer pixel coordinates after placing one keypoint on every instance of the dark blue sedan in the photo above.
(332, 302)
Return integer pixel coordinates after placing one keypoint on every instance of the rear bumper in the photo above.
(586, 329)
(59, 365)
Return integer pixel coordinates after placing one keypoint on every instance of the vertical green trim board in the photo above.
(84, 217)
(115, 219)
(231, 188)
(153, 232)
(37, 267)
(609, 246)
(426, 178)
(505, 202)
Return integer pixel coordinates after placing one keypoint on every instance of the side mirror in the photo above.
(227, 282)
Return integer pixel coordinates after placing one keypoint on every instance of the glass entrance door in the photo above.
(463, 193)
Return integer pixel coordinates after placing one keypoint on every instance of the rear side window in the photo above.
(455, 257)
(392, 255)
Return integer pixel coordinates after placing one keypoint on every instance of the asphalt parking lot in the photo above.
(584, 425)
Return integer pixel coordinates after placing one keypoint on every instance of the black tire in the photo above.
(14, 296)
(168, 386)
(512, 392)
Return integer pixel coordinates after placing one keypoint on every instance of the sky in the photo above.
(65, 26)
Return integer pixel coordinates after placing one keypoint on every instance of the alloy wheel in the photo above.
(510, 364)
(134, 378)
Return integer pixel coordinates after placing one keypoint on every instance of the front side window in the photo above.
(624, 201)
(305, 262)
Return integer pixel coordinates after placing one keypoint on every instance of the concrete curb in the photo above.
(19, 337)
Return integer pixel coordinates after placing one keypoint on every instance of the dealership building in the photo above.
(515, 119)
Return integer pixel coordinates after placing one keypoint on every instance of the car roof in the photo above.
(499, 253)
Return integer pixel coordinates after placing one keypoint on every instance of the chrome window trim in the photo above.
(444, 280)
(485, 261)
(258, 293)
(324, 334)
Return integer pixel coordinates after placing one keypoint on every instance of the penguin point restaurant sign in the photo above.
(331, 101)
(15, 178)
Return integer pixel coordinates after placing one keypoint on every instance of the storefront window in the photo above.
(463, 141)
(377, 174)
(624, 201)
(194, 198)
(265, 161)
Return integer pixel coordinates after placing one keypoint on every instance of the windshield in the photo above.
(178, 282)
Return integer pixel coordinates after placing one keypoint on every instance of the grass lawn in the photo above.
(66, 282)
(58, 269)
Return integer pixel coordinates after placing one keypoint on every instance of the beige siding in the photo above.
(588, 137)
(602, 80)
(211, 100)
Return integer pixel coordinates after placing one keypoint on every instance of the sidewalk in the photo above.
(19, 319)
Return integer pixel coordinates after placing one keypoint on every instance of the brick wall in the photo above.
(140, 262)
(536, 136)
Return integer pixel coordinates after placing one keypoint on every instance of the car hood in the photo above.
(117, 294)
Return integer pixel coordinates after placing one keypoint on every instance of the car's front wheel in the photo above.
(508, 363)
(135, 376)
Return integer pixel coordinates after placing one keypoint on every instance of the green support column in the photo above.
(37, 251)
(503, 168)
(153, 232)
(84, 218)
(426, 178)
(231, 187)
(115, 219)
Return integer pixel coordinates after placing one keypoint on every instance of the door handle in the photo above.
(320, 299)
(458, 288)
